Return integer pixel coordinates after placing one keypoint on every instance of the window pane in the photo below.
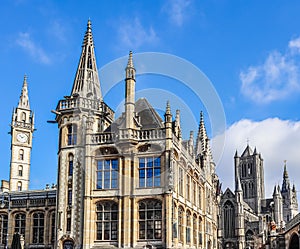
(107, 230)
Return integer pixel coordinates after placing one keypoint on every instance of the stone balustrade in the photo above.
(124, 134)
(79, 102)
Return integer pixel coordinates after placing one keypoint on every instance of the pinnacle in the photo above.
(24, 100)
(130, 60)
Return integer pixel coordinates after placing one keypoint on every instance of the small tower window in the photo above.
(249, 169)
(71, 158)
(72, 134)
(19, 186)
(21, 154)
(23, 117)
(20, 170)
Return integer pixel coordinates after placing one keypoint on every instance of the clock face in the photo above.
(22, 137)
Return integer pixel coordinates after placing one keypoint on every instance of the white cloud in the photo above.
(133, 34)
(277, 140)
(177, 10)
(294, 45)
(25, 41)
(277, 78)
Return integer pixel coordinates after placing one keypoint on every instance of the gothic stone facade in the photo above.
(130, 182)
(247, 218)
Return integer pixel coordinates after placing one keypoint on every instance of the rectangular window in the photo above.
(107, 174)
(180, 181)
(149, 172)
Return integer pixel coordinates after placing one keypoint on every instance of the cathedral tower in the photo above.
(249, 168)
(22, 127)
(289, 197)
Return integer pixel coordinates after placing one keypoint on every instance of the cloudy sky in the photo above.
(249, 51)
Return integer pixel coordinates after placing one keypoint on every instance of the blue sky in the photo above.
(250, 51)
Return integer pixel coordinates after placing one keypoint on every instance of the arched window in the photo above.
(188, 227)
(21, 154)
(195, 230)
(294, 242)
(20, 171)
(19, 186)
(20, 223)
(23, 117)
(3, 228)
(249, 238)
(107, 174)
(229, 220)
(150, 219)
(107, 221)
(70, 166)
(200, 231)
(38, 228)
(180, 223)
(72, 134)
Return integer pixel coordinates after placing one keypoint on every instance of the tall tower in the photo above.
(289, 197)
(78, 116)
(249, 168)
(22, 127)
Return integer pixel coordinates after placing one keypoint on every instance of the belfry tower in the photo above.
(22, 127)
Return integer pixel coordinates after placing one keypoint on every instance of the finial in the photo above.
(130, 61)
(285, 173)
(89, 24)
(248, 141)
(168, 108)
(201, 116)
(25, 78)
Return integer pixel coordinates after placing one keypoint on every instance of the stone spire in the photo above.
(286, 181)
(201, 141)
(86, 83)
(130, 92)
(24, 100)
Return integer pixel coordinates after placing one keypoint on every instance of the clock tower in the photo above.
(22, 127)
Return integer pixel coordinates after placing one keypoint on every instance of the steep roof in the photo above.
(24, 99)
(147, 117)
(247, 152)
(86, 83)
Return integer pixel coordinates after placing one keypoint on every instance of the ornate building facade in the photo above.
(247, 218)
(126, 182)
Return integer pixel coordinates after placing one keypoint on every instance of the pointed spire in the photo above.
(24, 100)
(86, 83)
(130, 70)
(201, 143)
(275, 192)
(286, 181)
(236, 154)
(168, 108)
(285, 173)
(294, 188)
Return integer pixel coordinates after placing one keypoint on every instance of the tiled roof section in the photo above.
(148, 117)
